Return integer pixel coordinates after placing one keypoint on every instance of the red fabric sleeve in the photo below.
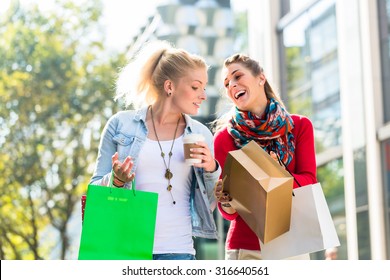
(303, 167)
(223, 144)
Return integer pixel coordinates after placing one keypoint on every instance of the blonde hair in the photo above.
(254, 67)
(141, 81)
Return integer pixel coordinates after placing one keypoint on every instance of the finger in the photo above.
(128, 167)
(131, 177)
(218, 185)
(201, 143)
(127, 162)
(114, 157)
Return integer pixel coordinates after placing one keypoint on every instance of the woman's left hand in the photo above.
(208, 162)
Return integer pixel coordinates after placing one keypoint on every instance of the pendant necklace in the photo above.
(168, 173)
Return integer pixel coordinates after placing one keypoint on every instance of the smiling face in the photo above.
(189, 91)
(245, 89)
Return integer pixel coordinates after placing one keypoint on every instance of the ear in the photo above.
(168, 86)
(262, 79)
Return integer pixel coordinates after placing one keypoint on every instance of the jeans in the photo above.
(173, 257)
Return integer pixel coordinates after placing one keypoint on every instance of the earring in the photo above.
(169, 93)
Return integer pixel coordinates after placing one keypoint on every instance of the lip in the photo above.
(239, 94)
(196, 104)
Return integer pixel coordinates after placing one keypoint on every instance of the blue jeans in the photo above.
(172, 256)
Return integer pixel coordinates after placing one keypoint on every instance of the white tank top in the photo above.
(173, 232)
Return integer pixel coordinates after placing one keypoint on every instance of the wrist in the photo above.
(215, 167)
(118, 182)
(226, 205)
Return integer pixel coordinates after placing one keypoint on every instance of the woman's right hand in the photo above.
(219, 194)
(223, 197)
(122, 170)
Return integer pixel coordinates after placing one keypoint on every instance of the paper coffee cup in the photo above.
(189, 142)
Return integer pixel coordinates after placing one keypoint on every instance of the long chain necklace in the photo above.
(168, 173)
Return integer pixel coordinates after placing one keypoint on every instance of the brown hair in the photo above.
(254, 67)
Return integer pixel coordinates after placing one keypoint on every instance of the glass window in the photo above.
(331, 176)
(386, 183)
(360, 177)
(312, 76)
(384, 16)
(363, 235)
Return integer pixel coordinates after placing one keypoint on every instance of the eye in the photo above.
(195, 88)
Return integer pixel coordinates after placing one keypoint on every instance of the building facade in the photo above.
(330, 61)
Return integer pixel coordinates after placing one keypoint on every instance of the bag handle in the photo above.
(111, 182)
(285, 166)
(282, 163)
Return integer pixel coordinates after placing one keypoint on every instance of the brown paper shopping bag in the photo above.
(261, 190)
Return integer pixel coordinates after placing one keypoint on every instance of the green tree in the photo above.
(56, 92)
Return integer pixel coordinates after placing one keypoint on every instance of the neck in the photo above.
(164, 129)
(162, 115)
(259, 107)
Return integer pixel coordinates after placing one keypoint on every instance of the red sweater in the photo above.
(302, 166)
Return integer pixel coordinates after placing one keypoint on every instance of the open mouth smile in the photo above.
(238, 94)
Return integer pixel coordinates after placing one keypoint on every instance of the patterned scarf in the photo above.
(272, 131)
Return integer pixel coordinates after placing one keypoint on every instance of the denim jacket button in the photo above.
(204, 192)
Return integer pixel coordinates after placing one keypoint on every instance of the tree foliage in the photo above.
(56, 87)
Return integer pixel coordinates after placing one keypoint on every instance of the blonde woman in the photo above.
(165, 85)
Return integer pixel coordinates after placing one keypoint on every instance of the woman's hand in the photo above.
(122, 170)
(275, 157)
(204, 154)
(223, 197)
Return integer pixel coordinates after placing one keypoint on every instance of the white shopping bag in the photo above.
(311, 228)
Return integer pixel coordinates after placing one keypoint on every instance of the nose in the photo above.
(232, 83)
(203, 95)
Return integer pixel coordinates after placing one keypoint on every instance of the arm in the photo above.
(210, 177)
(223, 144)
(107, 149)
(305, 168)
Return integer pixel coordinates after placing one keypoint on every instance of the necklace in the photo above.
(168, 173)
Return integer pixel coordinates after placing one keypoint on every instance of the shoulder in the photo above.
(301, 121)
(123, 120)
(221, 135)
(303, 127)
(126, 115)
(123, 114)
(197, 127)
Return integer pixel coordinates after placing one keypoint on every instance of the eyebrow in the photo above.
(198, 81)
(232, 73)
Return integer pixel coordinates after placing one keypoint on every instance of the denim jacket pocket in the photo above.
(123, 145)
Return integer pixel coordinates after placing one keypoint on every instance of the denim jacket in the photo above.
(126, 132)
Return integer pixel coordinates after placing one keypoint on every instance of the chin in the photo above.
(194, 112)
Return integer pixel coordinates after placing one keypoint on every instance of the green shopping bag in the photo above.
(118, 224)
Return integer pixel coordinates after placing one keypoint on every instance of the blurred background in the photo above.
(329, 60)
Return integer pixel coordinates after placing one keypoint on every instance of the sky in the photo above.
(122, 19)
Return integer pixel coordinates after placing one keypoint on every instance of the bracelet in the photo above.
(226, 204)
(116, 178)
(118, 186)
